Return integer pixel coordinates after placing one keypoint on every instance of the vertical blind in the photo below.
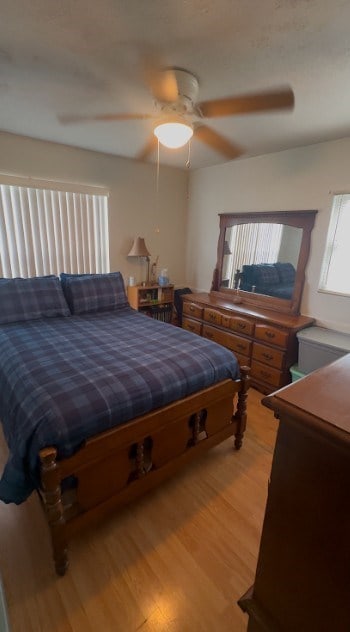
(253, 243)
(44, 231)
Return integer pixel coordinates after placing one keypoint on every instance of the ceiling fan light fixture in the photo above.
(173, 134)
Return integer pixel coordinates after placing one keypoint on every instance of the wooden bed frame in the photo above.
(116, 466)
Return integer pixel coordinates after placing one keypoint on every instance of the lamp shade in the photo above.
(139, 248)
(173, 133)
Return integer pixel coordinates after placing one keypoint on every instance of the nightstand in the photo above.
(155, 301)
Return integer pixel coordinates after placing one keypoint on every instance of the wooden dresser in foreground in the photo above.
(263, 339)
(302, 581)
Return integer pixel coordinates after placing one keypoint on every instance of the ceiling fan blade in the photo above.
(208, 136)
(162, 83)
(66, 119)
(148, 149)
(282, 99)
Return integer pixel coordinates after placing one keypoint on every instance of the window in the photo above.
(48, 231)
(335, 267)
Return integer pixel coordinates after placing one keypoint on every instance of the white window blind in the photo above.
(44, 231)
(336, 261)
(253, 243)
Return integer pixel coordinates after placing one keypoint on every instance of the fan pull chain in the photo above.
(157, 175)
(157, 178)
(188, 162)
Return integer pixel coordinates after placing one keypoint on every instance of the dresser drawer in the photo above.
(271, 334)
(268, 355)
(242, 325)
(192, 325)
(235, 343)
(213, 334)
(242, 359)
(225, 321)
(212, 316)
(266, 374)
(192, 309)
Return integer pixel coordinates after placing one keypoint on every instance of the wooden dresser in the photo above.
(263, 339)
(302, 581)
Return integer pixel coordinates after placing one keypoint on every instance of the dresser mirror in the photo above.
(262, 258)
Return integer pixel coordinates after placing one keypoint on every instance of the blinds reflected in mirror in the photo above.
(251, 243)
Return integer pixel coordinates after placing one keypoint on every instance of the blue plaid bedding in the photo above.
(63, 380)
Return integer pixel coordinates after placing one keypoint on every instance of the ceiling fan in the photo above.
(178, 112)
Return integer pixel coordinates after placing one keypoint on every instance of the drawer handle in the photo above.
(242, 326)
(240, 346)
(192, 309)
(267, 356)
(270, 334)
(265, 374)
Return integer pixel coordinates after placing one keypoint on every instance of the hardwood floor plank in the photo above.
(177, 560)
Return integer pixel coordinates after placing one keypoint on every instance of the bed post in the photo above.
(51, 494)
(241, 411)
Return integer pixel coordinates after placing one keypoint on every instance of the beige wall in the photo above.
(302, 178)
(133, 207)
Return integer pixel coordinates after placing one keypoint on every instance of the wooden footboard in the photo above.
(115, 467)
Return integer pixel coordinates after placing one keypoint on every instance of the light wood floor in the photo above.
(175, 561)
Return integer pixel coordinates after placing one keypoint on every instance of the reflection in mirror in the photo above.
(261, 258)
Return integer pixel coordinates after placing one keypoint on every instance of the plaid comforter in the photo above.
(63, 380)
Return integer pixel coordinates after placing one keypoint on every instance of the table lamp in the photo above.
(139, 249)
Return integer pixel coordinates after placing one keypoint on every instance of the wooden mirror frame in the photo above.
(299, 219)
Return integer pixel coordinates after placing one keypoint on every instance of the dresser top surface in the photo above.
(324, 394)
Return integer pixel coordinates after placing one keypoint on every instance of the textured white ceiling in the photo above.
(85, 57)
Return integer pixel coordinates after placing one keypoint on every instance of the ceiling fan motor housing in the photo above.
(187, 87)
